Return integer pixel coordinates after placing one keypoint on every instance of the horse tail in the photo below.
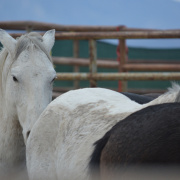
(94, 163)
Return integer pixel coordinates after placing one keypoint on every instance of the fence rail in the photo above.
(133, 66)
(33, 25)
(93, 33)
(158, 34)
(119, 76)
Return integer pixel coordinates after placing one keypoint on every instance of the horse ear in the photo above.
(7, 41)
(48, 39)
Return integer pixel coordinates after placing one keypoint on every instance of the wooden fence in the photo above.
(93, 33)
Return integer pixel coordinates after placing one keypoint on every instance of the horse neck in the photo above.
(12, 148)
(12, 145)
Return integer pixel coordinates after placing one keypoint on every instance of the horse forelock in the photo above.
(32, 39)
(24, 42)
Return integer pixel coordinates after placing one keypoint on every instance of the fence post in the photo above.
(93, 63)
(122, 84)
(76, 55)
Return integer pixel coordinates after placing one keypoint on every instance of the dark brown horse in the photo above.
(149, 137)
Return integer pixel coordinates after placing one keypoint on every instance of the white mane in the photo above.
(3, 55)
(172, 95)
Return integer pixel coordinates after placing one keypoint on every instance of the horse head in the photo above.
(27, 76)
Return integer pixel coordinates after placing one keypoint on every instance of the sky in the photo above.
(152, 14)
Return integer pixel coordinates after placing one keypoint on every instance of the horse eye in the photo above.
(53, 80)
(15, 79)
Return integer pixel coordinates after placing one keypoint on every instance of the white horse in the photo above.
(26, 76)
(61, 142)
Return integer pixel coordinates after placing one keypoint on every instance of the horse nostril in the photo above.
(27, 135)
